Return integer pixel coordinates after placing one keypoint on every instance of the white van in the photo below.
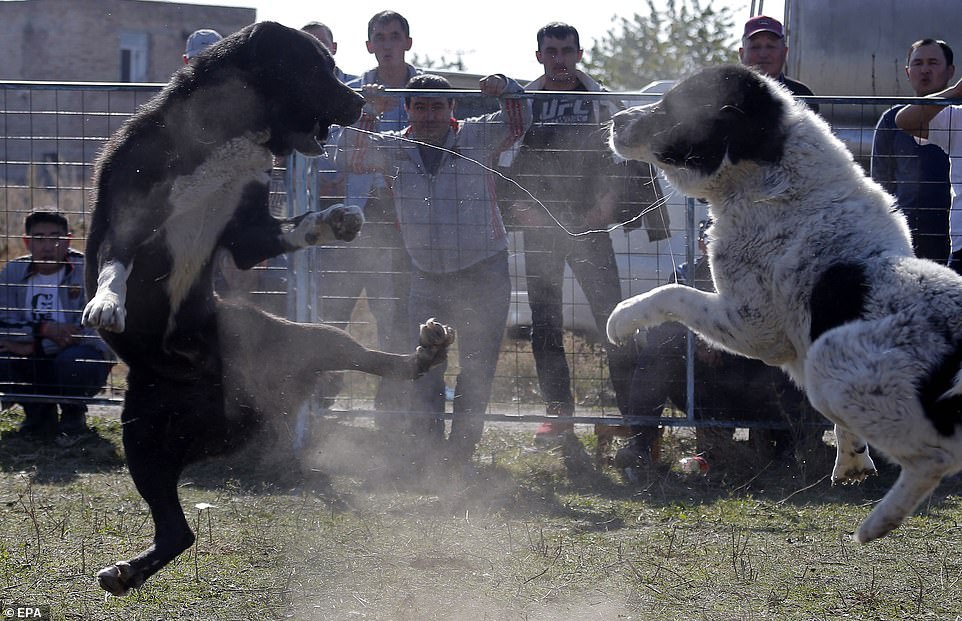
(642, 265)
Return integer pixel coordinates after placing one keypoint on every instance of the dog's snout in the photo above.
(350, 110)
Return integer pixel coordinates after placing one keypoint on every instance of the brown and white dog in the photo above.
(186, 176)
(814, 273)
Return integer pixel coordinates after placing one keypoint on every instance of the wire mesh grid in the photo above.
(51, 134)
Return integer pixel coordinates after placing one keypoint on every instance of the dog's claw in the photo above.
(436, 334)
(852, 477)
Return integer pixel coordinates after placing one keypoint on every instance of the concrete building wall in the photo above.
(81, 40)
(50, 136)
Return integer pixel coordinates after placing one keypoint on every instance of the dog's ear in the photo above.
(265, 34)
(753, 122)
(265, 46)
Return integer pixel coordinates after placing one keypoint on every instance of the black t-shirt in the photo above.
(564, 156)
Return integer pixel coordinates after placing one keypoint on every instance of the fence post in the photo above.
(691, 242)
(300, 304)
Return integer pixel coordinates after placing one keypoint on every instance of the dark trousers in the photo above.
(592, 260)
(375, 264)
(474, 301)
(75, 371)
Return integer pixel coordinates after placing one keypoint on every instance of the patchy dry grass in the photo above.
(525, 540)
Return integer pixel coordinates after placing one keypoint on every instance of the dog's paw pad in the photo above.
(852, 477)
(345, 221)
(435, 338)
(852, 467)
(436, 334)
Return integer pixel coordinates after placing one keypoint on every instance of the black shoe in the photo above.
(40, 420)
(576, 459)
(73, 420)
(632, 456)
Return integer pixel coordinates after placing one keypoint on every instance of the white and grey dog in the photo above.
(814, 273)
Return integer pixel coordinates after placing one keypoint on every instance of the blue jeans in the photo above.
(75, 371)
(475, 302)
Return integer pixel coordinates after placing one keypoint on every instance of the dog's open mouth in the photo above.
(312, 143)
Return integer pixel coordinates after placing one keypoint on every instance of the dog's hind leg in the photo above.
(156, 443)
(248, 336)
(858, 378)
(172, 535)
(913, 485)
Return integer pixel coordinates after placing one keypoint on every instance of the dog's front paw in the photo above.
(433, 343)
(628, 317)
(345, 221)
(106, 312)
(338, 221)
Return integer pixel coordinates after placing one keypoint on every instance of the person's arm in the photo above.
(611, 181)
(63, 334)
(515, 112)
(915, 118)
(15, 325)
(17, 348)
(605, 210)
(358, 146)
(498, 131)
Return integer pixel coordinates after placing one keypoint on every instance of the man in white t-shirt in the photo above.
(942, 125)
(44, 350)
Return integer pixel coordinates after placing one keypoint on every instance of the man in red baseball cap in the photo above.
(763, 47)
(763, 23)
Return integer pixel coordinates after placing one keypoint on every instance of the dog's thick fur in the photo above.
(814, 273)
(186, 176)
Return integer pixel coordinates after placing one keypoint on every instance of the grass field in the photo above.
(526, 540)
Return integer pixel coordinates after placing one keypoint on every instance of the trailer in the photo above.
(858, 49)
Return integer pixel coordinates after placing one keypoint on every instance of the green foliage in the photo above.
(662, 45)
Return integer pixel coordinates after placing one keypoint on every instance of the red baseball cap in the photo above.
(763, 23)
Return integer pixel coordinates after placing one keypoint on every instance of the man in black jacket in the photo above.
(564, 162)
